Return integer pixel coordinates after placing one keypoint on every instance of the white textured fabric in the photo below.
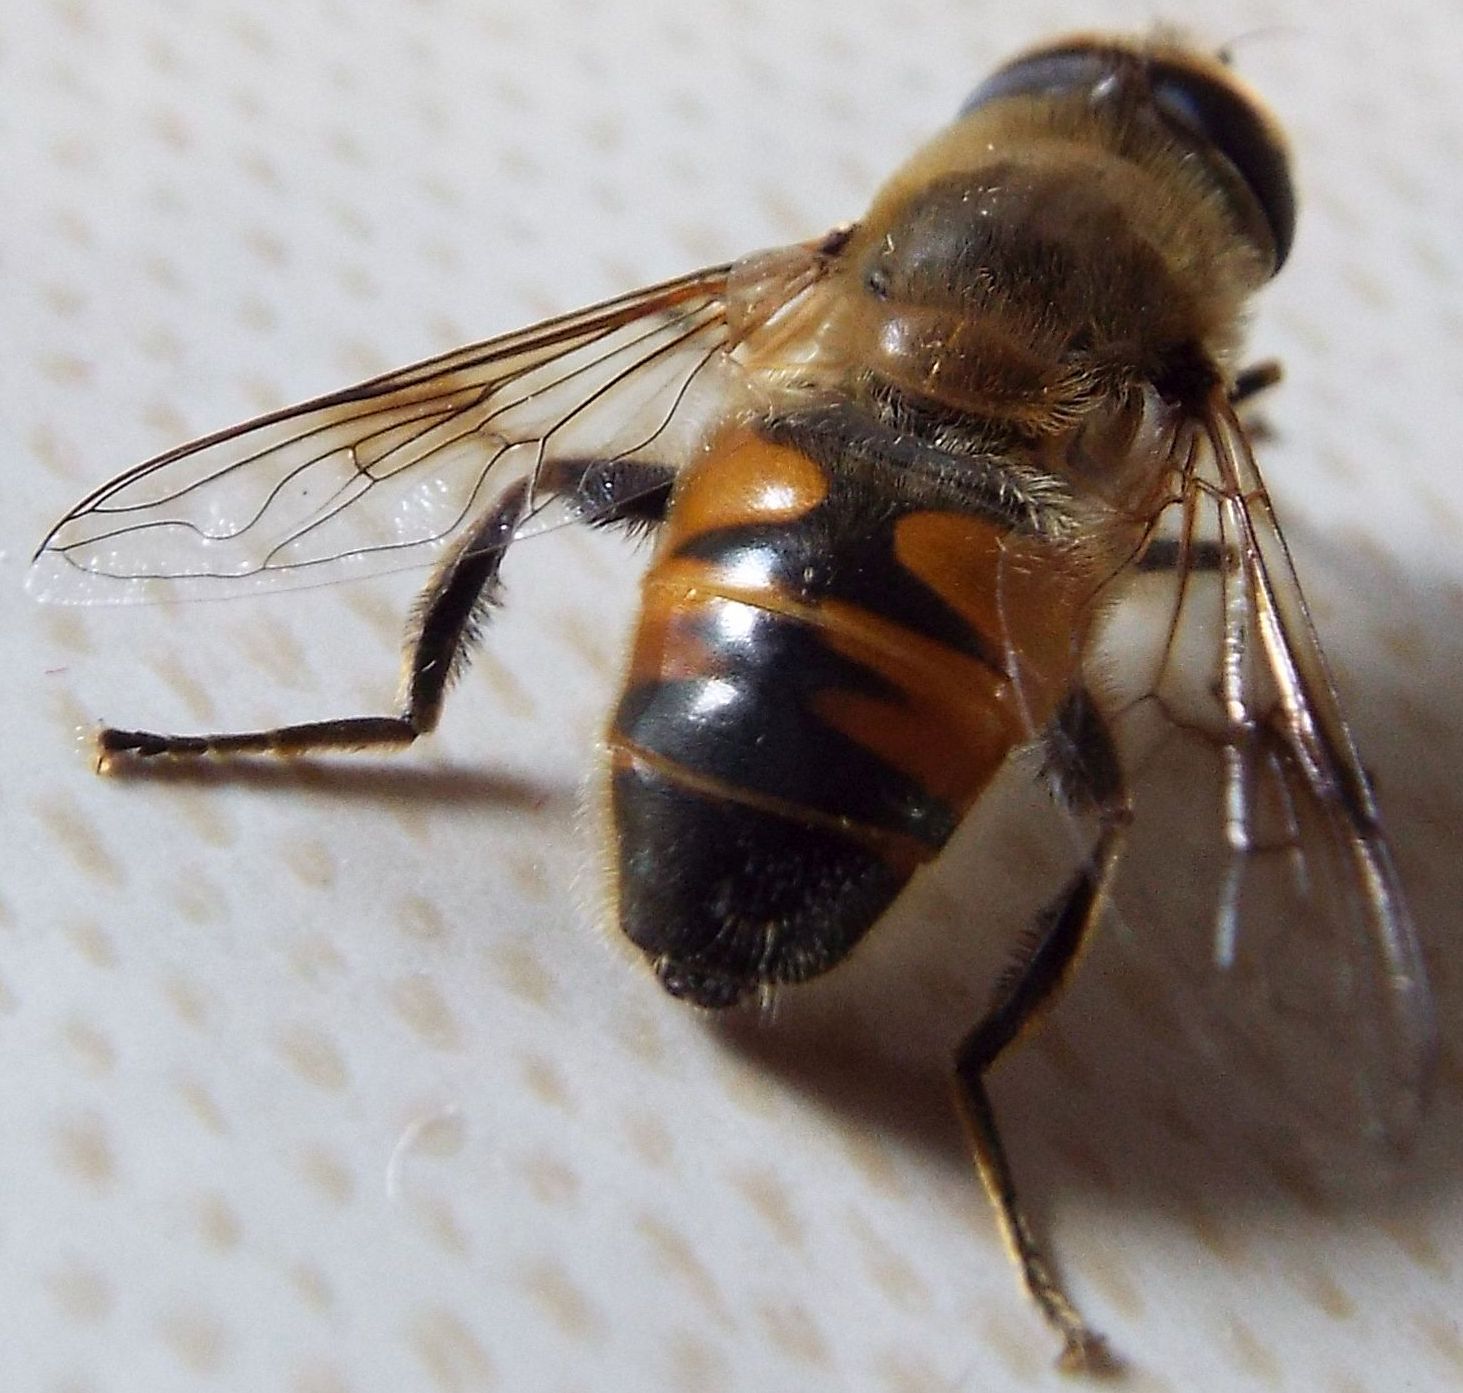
(324, 1079)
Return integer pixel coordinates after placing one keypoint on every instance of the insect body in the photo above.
(820, 688)
(904, 476)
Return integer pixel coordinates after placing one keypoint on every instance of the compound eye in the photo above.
(1050, 72)
(1204, 105)
(1192, 97)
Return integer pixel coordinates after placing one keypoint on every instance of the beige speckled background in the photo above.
(324, 1080)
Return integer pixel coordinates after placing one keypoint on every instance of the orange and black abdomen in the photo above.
(819, 690)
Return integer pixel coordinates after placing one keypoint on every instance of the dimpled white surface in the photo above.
(325, 1079)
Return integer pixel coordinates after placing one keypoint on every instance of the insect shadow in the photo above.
(1137, 1096)
(446, 786)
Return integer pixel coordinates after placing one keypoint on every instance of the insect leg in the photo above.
(445, 623)
(1170, 553)
(1083, 765)
(1253, 380)
(607, 493)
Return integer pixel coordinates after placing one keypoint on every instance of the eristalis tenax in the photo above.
(907, 479)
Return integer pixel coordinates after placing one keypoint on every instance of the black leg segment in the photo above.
(445, 622)
(610, 493)
(1083, 764)
(1251, 381)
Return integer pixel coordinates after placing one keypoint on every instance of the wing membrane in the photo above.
(383, 475)
(1259, 882)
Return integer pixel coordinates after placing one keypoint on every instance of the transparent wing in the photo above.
(1259, 885)
(383, 475)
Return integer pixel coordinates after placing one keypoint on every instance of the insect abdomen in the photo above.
(818, 692)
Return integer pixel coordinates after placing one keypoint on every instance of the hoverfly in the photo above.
(905, 479)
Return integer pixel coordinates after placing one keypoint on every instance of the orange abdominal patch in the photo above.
(741, 480)
(946, 742)
(960, 559)
(1028, 599)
